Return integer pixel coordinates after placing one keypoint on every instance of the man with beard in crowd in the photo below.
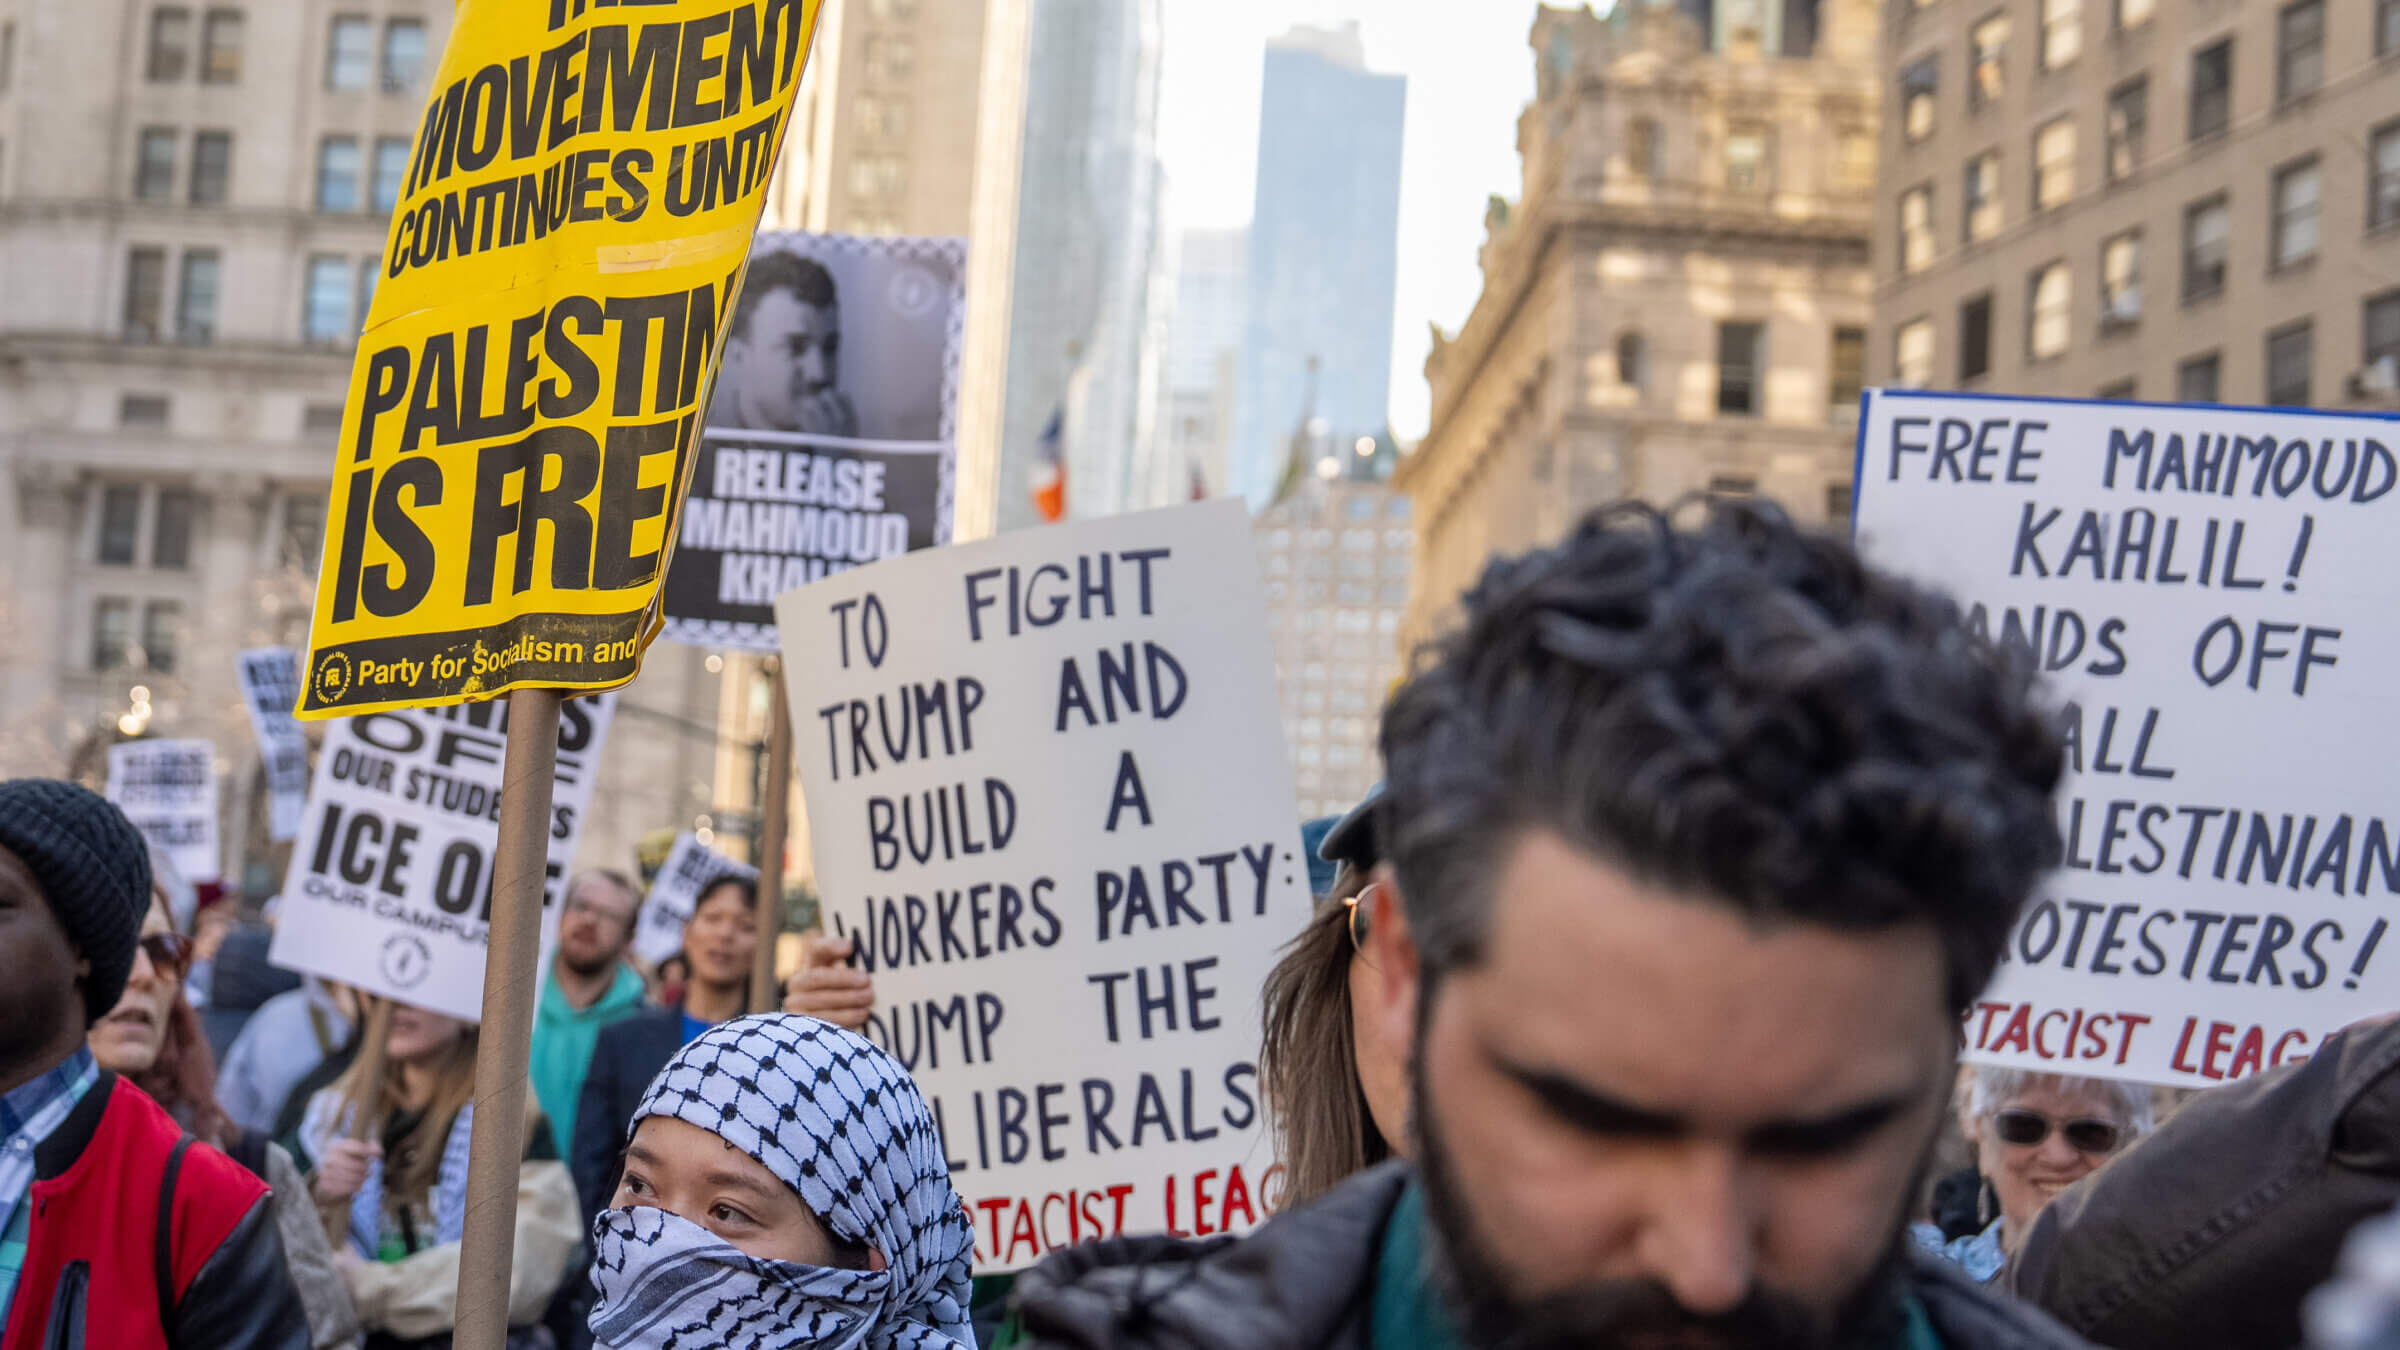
(1701, 840)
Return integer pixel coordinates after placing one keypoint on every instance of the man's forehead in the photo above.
(1684, 1003)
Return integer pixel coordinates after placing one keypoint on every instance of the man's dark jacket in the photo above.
(624, 1060)
(1306, 1281)
(2211, 1231)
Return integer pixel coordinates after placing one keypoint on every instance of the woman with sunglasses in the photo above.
(1337, 1090)
(153, 1039)
(2034, 1135)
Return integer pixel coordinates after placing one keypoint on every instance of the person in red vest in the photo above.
(117, 1229)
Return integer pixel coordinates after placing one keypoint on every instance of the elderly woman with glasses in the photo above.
(2034, 1135)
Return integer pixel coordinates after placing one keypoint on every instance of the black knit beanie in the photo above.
(93, 868)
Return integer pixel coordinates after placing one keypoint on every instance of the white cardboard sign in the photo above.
(270, 681)
(1048, 794)
(391, 877)
(2209, 592)
(168, 789)
(690, 869)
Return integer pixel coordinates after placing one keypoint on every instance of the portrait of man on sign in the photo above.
(783, 356)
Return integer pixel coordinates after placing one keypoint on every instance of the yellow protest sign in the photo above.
(554, 293)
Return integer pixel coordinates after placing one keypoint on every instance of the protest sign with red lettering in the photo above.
(2203, 589)
(1048, 795)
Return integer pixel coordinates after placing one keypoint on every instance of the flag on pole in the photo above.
(1050, 469)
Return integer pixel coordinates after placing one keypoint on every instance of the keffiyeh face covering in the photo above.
(839, 1121)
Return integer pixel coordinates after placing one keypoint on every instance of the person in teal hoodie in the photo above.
(591, 985)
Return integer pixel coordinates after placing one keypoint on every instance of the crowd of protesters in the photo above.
(1628, 1016)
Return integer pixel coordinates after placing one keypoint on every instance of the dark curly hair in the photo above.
(1739, 709)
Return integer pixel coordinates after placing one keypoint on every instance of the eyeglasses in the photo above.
(1361, 924)
(170, 953)
(616, 917)
(2028, 1128)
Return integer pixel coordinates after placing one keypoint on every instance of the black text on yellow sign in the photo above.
(578, 210)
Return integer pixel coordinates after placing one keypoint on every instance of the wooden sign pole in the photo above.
(774, 811)
(496, 1149)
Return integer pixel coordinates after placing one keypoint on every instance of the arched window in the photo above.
(1633, 360)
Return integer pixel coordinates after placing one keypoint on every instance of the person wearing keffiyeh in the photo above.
(784, 1188)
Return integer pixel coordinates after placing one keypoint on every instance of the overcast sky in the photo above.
(1469, 74)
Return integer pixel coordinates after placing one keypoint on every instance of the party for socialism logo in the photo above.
(333, 677)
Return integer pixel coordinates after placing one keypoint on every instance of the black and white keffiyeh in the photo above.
(842, 1124)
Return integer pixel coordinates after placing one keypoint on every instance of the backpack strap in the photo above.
(164, 1248)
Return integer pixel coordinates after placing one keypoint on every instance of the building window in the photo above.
(303, 529)
(120, 524)
(2054, 164)
(221, 47)
(403, 55)
(196, 296)
(145, 293)
(2298, 192)
(1732, 485)
(2049, 313)
(2128, 125)
(1849, 367)
(2212, 89)
(1838, 498)
(1975, 338)
(1981, 199)
(391, 172)
(891, 59)
(349, 52)
(8, 52)
(2383, 177)
(892, 11)
(2379, 330)
(368, 270)
(162, 626)
(1854, 162)
(154, 165)
(321, 419)
(2289, 352)
(878, 176)
(1748, 165)
(2387, 27)
(1916, 229)
(2121, 280)
(2299, 49)
(112, 634)
(171, 532)
(337, 173)
(2196, 379)
(1642, 149)
(2122, 391)
(1739, 349)
(1917, 88)
(146, 412)
(883, 115)
(2062, 32)
(2134, 13)
(1989, 79)
(2207, 228)
(170, 44)
(1912, 354)
(325, 311)
(1632, 360)
(212, 167)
